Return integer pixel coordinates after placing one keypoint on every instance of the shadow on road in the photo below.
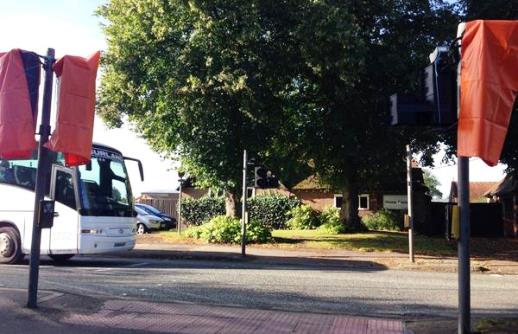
(221, 260)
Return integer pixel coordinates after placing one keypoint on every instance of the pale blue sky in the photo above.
(70, 27)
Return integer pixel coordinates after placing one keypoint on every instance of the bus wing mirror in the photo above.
(140, 168)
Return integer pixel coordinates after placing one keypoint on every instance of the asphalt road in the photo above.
(368, 292)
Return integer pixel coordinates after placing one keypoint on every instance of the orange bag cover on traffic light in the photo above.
(76, 108)
(489, 82)
(17, 121)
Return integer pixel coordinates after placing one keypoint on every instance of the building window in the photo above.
(363, 201)
(338, 200)
(250, 192)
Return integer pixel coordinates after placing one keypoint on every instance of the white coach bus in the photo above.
(93, 206)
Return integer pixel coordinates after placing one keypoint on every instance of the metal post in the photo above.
(410, 204)
(464, 321)
(243, 208)
(463, 247)
(41, 180)
(179, 222)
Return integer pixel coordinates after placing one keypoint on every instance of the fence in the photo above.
(166, 204)
(485, 219)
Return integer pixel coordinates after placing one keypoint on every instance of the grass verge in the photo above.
(504, 249)
(364, 242)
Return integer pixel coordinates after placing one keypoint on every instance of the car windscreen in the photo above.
(104, 186)
(150, 209)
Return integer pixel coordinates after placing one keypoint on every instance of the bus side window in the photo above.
(25, 176)
(64, 192)
(6, 173)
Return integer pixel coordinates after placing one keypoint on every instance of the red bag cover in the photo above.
(16, 118)
(76, 108)
(489, 81)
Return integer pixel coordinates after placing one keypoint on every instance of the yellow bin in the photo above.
(455, 222)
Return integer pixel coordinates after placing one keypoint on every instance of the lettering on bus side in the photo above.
(97, 153)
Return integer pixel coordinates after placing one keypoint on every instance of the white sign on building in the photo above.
(395, 202)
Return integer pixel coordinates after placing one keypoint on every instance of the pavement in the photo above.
(66, 313)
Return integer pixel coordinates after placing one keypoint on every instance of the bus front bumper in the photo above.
(91, 244)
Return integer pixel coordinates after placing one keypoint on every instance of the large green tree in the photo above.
(300, 84)
(199, 79)
(353, 55)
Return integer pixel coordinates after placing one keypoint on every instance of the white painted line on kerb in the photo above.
(134, 265)
(141, 264)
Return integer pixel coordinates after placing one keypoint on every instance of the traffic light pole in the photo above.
(41, 180)
(410, 204)
(463, 248)
(179, 221)
(464, 321)
(243, 207)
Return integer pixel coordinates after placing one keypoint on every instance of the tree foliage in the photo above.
(302, 85)
(351, 59)
(433, 184)
(199, 79)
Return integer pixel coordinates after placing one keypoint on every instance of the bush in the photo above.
(384, 220)
(199, 211)
(303, 217)
(272, 211)
(223, 229)
(257, 233)
(194, 232)
(330, 221)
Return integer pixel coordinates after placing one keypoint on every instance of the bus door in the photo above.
(64, 233)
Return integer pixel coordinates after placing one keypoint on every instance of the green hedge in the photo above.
(272, 211)
(384, 220)
(330, 221)
(223, 229)
(303, 217)
(199, 211)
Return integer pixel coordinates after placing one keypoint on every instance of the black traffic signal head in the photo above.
(409, 110)
(261, 177)
(273, 181)
(440, 86)
(437, 105)
(264, 178)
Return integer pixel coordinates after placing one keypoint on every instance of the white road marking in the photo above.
(141, 264)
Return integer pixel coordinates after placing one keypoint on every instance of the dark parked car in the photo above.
(169, 221)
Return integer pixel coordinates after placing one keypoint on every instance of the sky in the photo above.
(70, 27)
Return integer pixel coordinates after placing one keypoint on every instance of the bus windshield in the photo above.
(104, 186)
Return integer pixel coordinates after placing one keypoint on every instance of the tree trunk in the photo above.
(349, 210)
(231, 204)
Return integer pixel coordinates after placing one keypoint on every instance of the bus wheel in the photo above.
(141, 229)
(10, 245)
(61, 258)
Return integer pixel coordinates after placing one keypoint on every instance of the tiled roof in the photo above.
(477, 190)
(313, 182)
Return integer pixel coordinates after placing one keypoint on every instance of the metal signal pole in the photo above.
(410, 204)
(41, 179)
(243, 207)
(464, 321)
